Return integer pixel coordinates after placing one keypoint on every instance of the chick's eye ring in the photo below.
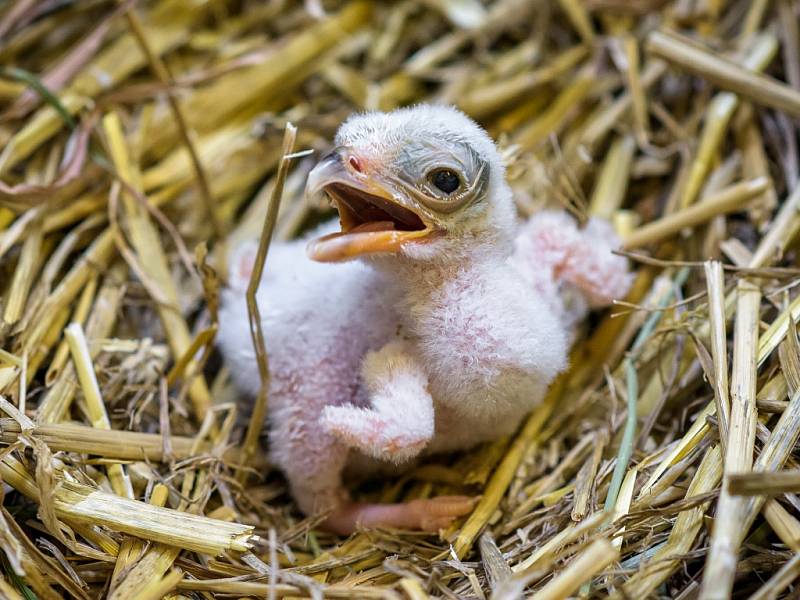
(445, 180)
(423, 194)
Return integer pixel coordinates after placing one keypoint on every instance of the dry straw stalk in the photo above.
(133, 469)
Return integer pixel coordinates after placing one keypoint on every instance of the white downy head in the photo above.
(424, 183)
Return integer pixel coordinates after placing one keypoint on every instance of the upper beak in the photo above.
(374, 217)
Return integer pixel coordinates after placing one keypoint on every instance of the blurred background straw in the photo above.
(140, 142)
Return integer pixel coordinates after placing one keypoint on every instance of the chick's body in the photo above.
(431, 348)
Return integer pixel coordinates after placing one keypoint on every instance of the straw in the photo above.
(754, 86)
(141, 143)
(591, 561)
(727, 534)
(250, 445)
(715, 283)
(94, 402)
(728, 200)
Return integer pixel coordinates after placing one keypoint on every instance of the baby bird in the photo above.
(444, 333)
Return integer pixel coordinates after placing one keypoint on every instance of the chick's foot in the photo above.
(419, 515)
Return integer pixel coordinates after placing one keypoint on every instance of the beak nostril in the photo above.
(356, 164)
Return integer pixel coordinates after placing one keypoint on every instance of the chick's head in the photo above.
(421, 183)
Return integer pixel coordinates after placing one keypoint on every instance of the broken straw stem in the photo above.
(728, 200)
(764, 484)
(94, 401)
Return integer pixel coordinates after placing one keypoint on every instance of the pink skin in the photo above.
(376, 363)
(425, 515)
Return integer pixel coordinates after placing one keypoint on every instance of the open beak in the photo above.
(373, 219)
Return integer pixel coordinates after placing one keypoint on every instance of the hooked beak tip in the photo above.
(373, 219)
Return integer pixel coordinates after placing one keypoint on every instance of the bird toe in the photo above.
(438, 513)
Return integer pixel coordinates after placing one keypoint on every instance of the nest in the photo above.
(142, 141)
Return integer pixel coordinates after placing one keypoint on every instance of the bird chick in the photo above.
(444, 334)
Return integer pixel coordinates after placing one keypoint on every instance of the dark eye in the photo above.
(445, 180)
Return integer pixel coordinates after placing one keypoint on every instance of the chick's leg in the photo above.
(400, 421)
(313, 461)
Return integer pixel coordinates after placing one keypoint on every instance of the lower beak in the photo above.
(374, 219)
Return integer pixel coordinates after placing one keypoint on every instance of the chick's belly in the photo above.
(361, 467)
(462, 431)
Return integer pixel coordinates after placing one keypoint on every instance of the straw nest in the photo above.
(141, 141)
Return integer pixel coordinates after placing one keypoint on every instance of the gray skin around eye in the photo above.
(418, 160)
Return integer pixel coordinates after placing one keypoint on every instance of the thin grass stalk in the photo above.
(782, 231)
(579, 17)
(623, 505)
(612, 183)
(632, 393)
(18, 416)
(558, 111)
(777, 331)
(753, 18)
(755, 163)
(201, 340)
(162, 73)
(585, 480)
(256, 424)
